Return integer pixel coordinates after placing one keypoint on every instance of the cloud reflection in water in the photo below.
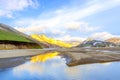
(52, 69)
(56, 69)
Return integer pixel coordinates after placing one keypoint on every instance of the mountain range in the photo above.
(98, 43)
(10, 38)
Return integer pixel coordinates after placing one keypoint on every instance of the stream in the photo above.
(56, 69)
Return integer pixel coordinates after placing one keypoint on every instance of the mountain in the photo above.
(115, 40)
(57, 43)
(10, 38)
(96, 43)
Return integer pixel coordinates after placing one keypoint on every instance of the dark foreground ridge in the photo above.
(74, 56)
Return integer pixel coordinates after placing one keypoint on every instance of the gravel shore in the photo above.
(76, 56)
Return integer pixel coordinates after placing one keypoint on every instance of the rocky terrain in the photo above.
(96, 43)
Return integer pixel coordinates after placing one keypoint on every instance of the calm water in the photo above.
(56, 69)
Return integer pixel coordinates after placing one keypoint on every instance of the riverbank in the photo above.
(76, 56)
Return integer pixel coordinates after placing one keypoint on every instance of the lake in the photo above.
(56, 69)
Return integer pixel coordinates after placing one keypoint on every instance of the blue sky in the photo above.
(63, 19)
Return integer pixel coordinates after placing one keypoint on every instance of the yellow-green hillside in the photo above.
(10, 36)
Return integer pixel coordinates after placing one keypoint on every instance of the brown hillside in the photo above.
(115, 40)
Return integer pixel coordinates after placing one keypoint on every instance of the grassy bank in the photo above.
(10, 40)
(5, 35)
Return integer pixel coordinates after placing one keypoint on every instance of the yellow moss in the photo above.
(43, 38)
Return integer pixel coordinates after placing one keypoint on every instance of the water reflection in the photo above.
(56, 69)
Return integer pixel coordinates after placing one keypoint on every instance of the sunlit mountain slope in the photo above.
(43, 38)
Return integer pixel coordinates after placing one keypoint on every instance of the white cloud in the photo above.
(103, 35)
(31, 29)
(72, 25)
(66, 19)
(70, 38)
(94, 6)
(81, 26)
(58, 32)
(61, 17)
(8, 7)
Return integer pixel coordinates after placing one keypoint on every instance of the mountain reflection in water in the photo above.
(56, 69)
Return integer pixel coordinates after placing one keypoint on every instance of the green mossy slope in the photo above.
(10, 36)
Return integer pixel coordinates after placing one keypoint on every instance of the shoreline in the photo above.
(74, 56)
